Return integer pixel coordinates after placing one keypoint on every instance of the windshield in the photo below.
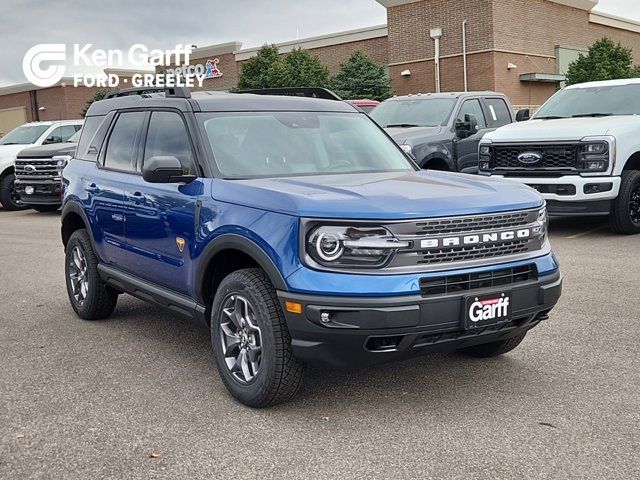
(424, 112)
(593, 101)
(275, 144)
(24, 135)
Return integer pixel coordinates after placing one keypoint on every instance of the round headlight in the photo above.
(329, 246)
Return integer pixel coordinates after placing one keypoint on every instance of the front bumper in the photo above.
(573, 189)
(46, 192)
(365, 331)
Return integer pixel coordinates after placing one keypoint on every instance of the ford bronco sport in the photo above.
(299, 233)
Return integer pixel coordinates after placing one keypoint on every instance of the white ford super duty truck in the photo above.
(581, 151)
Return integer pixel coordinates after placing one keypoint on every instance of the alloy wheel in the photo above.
(78, 275)
(241, 339)
(14, 196)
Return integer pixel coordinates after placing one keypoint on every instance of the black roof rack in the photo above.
(311, 92)
(174, 92)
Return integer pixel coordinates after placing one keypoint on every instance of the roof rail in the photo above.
(174, 92)
(312, 92)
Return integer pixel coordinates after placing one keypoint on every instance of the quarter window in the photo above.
(168, 136)
(473, 107)
(121, 148)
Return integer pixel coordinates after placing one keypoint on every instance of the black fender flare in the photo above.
(243, 244)
(73, 207)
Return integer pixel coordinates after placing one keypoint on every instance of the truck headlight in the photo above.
(593, 157)
(351, 246)
(484, 159)
(60, 161)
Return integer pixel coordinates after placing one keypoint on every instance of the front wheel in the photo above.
(625, 216)
(90, 298)
(493, 349)
(251, 342)
(9, 198)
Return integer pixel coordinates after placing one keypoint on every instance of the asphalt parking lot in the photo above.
(137, 396)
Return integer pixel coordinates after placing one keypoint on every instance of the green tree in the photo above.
(259, 71)
(299, 68)
(269, 69)
(99, 95)
(606, 60)
(360, 77)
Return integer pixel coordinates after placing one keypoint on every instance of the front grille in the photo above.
(473, 281)
(465, 241)
(559, 157)
(35, 169)
(471, 224)
(476, 252)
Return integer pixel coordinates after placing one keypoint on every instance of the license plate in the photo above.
(28, 190)
(483, 310)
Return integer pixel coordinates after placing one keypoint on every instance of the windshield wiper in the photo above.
(592, 115)
(10, 143)
(548, 117)
(402, 125)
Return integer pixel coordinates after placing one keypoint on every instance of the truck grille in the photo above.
(466, 241)
(559, 156)
(35, 169)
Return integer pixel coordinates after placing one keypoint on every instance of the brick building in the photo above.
(519, 47)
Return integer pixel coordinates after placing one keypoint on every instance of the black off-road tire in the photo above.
(45, 208)
(620, 219)
(8, 197)
(100, 299)
(280, 374)
(493, 349)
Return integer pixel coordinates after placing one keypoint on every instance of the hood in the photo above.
(412, 135)
(48, 151)
(393, 196)
(10, 151)
(561, 129)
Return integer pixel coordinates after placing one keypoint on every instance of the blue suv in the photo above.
(299, 233)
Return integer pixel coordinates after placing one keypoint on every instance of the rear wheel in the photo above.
(90, 298)
(45, 208)
(493, 349)
(251, 342)
(9, 197)
(625, 216)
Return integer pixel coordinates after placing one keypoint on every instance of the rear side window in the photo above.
(89, 130)
(498, 111)
(168, 136)
(123, 140)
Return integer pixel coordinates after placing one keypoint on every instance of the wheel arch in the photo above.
(633, 163)
(7, 171)
(436, 163)
(73, 218)
(225, 254)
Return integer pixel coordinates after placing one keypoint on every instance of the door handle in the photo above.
(137, 197)
(93, 188)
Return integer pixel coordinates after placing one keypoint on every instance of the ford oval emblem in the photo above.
(529, 158)
(29, 168)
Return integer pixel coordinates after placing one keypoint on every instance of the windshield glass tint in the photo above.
(25, 134)
(611, 100)
(272, 144)
(426, 112)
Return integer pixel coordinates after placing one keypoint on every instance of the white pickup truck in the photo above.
(581, 151)
(28, 135)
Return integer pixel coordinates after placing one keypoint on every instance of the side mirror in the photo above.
(523, 115)
(468, 127)
(164, 169)
(52, 139)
